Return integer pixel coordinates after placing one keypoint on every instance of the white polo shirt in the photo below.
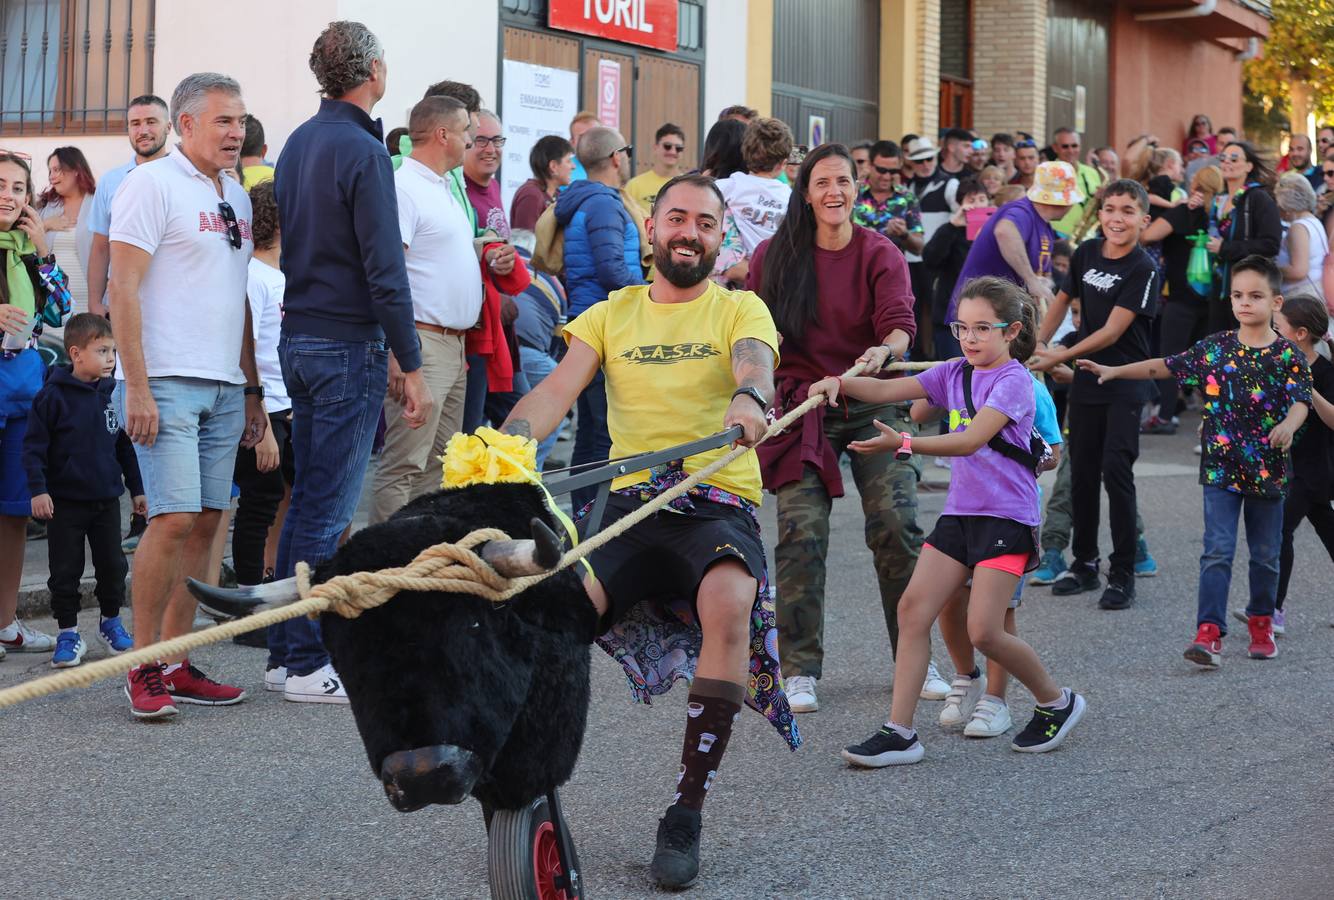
(193, 295)
(443, 271)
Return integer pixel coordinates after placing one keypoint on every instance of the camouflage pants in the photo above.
(888, 490)
(1057, 523)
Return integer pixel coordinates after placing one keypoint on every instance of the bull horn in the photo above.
(232, 603)
(534, 556)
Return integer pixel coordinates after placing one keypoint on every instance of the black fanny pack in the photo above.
(1039, 452)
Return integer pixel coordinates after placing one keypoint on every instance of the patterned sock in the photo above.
(712, 710)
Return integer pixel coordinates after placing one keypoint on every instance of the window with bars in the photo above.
(72, 66)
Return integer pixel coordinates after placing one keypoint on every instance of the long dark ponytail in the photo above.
(789, 286)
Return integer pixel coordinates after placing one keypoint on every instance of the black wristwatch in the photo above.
(754, 394)
(254, 391)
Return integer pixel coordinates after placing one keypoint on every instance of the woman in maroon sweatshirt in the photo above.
(834, 289)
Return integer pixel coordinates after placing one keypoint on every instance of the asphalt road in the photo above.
(1179, 782)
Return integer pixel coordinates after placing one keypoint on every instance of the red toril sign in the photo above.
(648, 23)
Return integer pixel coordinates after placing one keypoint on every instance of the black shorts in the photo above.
(664, 557)
(973, 539)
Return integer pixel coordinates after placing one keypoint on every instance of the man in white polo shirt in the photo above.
(190, 394)
(446, 299)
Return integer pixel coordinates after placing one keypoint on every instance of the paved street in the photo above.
(1179, 783)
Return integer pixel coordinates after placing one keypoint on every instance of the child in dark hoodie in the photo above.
(76, 456)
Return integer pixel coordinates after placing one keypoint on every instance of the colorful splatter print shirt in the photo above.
(1247, 391)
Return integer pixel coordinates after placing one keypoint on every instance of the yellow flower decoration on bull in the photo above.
(488, 456)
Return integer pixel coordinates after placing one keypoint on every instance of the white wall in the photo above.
(265, 45)
(725, 57)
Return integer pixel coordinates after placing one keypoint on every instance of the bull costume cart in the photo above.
(528, 658)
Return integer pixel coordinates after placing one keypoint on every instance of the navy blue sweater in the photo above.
(342, 252)
(75, 448)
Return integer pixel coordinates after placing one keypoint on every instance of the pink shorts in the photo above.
(1013, 563)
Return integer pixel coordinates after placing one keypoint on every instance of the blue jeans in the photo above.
(474, 403)
(337, 388)
(537, 365)
(1264, 536)
(592, 442)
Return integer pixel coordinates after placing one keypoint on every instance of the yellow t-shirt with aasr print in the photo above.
(669, 373)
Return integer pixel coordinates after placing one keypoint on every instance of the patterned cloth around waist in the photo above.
(659, 645)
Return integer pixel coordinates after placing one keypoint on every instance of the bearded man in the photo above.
(681, 357)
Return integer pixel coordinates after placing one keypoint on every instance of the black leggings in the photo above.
(1183, 323)
(1302, 503)
(261, 495)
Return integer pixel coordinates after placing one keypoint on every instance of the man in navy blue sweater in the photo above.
(347, 294)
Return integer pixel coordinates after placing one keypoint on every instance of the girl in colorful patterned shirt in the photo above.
(1257, 391)
(989, 523)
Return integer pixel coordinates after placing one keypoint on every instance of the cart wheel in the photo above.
(521, 859)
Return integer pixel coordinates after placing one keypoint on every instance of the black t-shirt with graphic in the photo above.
(1101, 285)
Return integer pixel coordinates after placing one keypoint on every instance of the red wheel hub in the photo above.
(546, 864)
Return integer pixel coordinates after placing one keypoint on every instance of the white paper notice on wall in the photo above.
(535, 101)
(1081, 104)
(609, 93)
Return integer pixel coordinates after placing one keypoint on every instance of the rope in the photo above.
(448, 567)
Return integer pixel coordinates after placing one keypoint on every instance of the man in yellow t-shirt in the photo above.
(668, 144)
(683, 358)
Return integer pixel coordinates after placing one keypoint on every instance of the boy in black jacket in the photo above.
(76, 456)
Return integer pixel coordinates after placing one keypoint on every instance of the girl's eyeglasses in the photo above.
(981, 331)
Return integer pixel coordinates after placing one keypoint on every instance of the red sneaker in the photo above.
(1262, 637)
(1208, 647)
(189, 685)
(148, 695)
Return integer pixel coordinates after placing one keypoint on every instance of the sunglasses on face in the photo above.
(1026, 145)
(1328, 173)
(233, 226)
(1232, 159)
(885, 171)
(1074, 146)
(628, 150)
(676, 148)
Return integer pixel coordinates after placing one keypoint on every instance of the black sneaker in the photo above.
(676, 861)
(1049, 727)
(1080, 577)
(1120, 591)
(885, 748)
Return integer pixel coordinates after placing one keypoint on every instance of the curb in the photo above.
(35, 602)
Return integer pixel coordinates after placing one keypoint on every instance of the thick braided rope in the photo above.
(447, 567)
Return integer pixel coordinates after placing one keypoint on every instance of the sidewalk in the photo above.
(35, 599)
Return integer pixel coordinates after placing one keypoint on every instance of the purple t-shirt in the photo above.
(986, 483)
(489, 205)
(985, 257)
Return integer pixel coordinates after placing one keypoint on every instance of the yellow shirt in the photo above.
(253, 175)
(669, 373)
(645, 187)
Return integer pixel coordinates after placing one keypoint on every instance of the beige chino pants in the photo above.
(410, 463)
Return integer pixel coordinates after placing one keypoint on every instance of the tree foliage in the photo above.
(1300, 48)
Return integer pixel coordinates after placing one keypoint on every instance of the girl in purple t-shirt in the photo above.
(988, 527)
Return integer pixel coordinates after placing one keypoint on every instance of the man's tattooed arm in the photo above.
(519, 427)
(753, 365)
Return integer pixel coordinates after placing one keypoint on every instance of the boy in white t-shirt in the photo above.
(756, 199)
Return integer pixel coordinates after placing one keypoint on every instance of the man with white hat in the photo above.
(936, 201)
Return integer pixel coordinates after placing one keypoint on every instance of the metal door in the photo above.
(1078, 68)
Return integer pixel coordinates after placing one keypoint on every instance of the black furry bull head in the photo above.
(454, 695)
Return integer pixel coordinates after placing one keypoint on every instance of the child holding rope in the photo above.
(987, 529)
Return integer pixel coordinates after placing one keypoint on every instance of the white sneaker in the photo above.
(935, 687)
(19, 638)
(800, 690)
(321, 686)
(962, 698)
(991, 718)
(275, 679)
